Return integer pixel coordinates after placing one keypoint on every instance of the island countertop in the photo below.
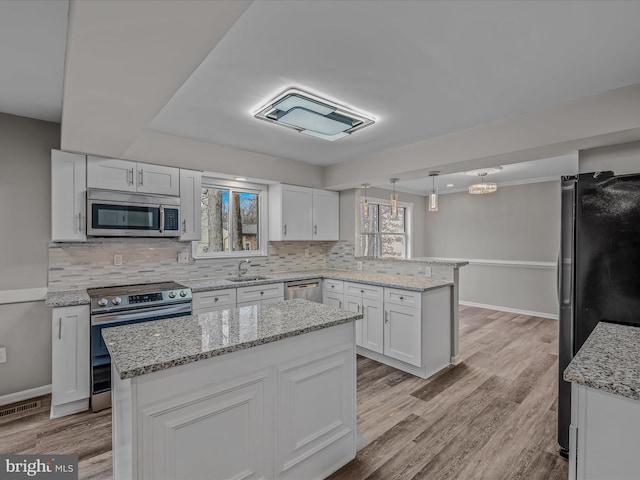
(149, 347)
(609, 361)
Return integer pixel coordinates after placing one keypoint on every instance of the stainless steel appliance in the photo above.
(598, 266)
(307, 289)
(127, 304)
(119, 214)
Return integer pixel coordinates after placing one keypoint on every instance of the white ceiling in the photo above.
(423, 69)
(513, 174)
(175, 82)
(33, 36)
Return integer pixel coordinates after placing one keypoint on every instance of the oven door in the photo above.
(100, 359)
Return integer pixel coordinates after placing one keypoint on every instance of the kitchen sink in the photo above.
(246, 278)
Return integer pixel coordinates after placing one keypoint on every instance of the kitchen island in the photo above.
(605, 405)
(255, 392)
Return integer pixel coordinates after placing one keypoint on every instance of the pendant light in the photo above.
(394, 198)
(433, 197)
(365, 205)
(483, 186)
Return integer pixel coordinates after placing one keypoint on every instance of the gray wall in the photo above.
(25, 216)
(516, 224)
(622, 159)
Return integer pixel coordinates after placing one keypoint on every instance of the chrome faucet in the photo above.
(240, 270)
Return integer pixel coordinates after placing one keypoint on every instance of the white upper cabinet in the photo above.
(301, 213)
(190, 204)
(68, 197)
(127, 176)
(326, 215)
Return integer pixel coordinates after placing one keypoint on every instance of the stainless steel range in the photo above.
(122, 305)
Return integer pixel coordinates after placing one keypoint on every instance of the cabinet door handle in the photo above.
(358, 308)
(315, 229)
(184, 226)
(141, 177)
(131, 177)
(80, 222)
(340, 303)
(60, 328)
(386, 316)
(285, 229)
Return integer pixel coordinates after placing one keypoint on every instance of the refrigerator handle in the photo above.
(558, 266)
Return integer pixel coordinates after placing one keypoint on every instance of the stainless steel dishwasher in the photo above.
(307, 289)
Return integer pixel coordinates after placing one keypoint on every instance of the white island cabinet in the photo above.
(211, 399)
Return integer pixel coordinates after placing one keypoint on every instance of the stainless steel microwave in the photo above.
(118, 214)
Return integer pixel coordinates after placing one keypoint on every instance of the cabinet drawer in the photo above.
(363, 290)
(216, 298)
(334, 286)
(260, 292)
(408, 298)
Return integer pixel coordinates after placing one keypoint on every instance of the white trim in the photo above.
(23, 295)
(552, 316)
(486, 262)
(25, 395)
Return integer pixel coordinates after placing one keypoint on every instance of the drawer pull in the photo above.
(215, 299)
(261, 293)
(361, 291)
(333, 286)
(401, 298)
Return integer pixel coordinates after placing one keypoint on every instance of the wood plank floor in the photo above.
(493, 416)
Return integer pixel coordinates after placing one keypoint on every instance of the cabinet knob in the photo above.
(401, 298)
(215, 299)
(261, 293)
(361, 291)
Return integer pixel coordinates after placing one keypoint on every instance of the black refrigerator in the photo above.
(598, 266)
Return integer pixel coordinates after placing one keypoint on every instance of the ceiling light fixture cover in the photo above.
(312, 115)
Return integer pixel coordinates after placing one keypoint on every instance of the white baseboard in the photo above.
(25, 395)
(553, 316)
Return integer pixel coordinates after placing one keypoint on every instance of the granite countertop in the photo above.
(416, 284)
(153, 346)
(421, 260)
(67, 298)
(609, 360)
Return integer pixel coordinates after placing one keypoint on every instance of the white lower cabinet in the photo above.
(260, 294)
(204, 302)
(603, 436)
(402, 334)
(283, 410)
(70, 360)
(408, 330)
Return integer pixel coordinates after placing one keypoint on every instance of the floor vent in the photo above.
(20, 408)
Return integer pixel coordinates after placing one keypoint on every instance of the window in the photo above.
(381, 233)
(233, 220)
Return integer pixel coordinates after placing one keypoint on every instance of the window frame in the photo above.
(263, 213)
(408, 222)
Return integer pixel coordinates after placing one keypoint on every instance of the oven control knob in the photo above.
(183, 293)
(172, 294)
(103, 302)
(116, 301)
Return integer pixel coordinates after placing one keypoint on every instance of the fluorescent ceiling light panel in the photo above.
(292, 101)
(308, 120)
(331, 138)
(312, 115)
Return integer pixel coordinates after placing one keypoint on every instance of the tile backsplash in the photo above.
(90, 264)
